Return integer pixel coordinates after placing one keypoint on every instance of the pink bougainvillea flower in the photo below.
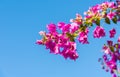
(50, 45)
(69, 54)
(105, 57)
(74, 27)
(42, 33)
(95, 9)
(106, 49)
(110, 15)
(111, 5)
(83, 37)
(39, 42)
(110, 43)
(54, 48)
(51, 27)
(88, 16)
(62, 40)
(98, 32)
(64, 27)
(112, 65)
(61, 24)
(104, 5)
(69, 51)
(111, 62)
(77, 20)
(61, 44)
(112, 33)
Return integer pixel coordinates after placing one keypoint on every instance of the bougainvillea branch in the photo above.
(79, 28)
(61, 38)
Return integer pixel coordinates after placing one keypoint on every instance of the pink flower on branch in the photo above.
(39, 42)
(111, 15)
(77, 20)
(69, 51)
(112, 33)
(106, 49)
(64, 43)
(64, 27)
(98, 32)
(52, 28)
(111, 5)
(74, 27)
(83, 37)
(52, 46)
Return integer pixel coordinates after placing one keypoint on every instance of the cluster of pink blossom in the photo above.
(106, 10)
(63, 42)
(98, 32)
(83, 37)
(112, 33)
(111, 57)
(79, 26)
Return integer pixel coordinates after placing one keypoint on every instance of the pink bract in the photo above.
(64, 27)
(39, 42)
(51, 27)
(74, 27)
(69, 51)
(111, 15)
(83, 37)
(98, 32)
(112, 33)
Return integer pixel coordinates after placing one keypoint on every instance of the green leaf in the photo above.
(97, 22)
(107, 20)
(114, 20)
(71, 37)
(68, 34)
(82, 28)
(116, 46)
(88, 23)
(112, 48)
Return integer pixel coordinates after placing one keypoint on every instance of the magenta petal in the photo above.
(112, 33)
(98, 32)
(83, 37)
(51, 27)
(39, 42)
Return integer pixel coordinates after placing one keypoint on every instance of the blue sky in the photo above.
(20, 22)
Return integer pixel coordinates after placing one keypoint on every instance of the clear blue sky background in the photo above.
(20, 22)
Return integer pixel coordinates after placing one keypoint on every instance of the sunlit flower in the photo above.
(110, 15)
(98, 32)
(52, 28)
(83, 37)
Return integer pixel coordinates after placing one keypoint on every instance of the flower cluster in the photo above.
(99, 32)
(111, 57)
(112, 33)
(83, 35)
(62, 44)
(106, 11)
(79, 26)
(60, 39)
